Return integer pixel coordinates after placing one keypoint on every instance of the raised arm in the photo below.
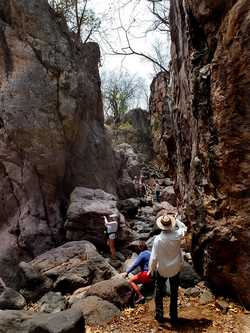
(182, 229)
(105, 221)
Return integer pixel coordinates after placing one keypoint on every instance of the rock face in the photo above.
(128, 165)
(135, 130)
(52, 136)
(210, 87)
(161, 123)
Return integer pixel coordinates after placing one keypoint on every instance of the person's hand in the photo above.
(149, 273)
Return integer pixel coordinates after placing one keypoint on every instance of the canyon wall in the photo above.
(52, 135)
(161, 123)
(210, 80)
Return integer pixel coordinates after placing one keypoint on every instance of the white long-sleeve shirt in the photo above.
(166, 256)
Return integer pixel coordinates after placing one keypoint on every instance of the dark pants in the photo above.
(160, 286)
(157, 196)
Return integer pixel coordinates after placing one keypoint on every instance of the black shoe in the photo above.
(174, 321)
(160, 320)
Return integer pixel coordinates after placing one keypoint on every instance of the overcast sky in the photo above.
(138, 15)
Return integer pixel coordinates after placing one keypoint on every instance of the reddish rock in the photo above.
(211, 121)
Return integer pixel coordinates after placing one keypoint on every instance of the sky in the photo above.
(139, 18)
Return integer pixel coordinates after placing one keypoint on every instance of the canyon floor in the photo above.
(194, 317)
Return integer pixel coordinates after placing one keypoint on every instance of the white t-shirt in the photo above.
(166, 256)
(112, 226)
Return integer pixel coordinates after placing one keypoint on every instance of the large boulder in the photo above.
(52, 302)
(85, 214)
(129, 207)
(115, 290)
(168, 195)
(10, 299)
(67, 268)
(68, 321)
(210, 112)
(128, 165)
(97, 311)
(51, 129)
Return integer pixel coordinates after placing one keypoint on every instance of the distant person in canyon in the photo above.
(136, 185)
(166, 262)
(143, 277)
(157, 191)
(142, 188)
(111, 224)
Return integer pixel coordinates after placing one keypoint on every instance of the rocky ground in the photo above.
(77, 285)
(194, 317)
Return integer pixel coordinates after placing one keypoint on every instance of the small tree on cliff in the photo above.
(121, 92)
(81, 21)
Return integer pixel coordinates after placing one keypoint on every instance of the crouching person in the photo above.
(143, 277)
(166, 261)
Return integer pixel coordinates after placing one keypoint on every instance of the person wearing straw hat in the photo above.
(166, 262)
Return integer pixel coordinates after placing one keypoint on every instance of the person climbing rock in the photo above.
(143, 277)
(111, 224)
(166, 261)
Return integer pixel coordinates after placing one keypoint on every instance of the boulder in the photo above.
(11, 300)
(188, 277)
(51, 124)
(97, 311)
(85, 215)
(115, 290)
(129, 207)
(164, 208)
(71, 266)
(206, 297)
(34, 284)
(68, 321)
(168, 195)
(52, 302)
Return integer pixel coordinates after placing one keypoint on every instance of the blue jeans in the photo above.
(157, 195)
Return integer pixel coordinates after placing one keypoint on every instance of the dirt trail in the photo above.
(194, 318)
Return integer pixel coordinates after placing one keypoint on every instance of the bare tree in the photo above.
(127, 36)
(81, 21)
(121, 92)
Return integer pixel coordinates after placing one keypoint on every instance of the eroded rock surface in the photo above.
(67, 268)
(210, 87)
(161, 123)
(85, 214)
(97, 311)
(115, 290)
(27, 322)
(52, 137)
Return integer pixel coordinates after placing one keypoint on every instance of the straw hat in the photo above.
(166, 222)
